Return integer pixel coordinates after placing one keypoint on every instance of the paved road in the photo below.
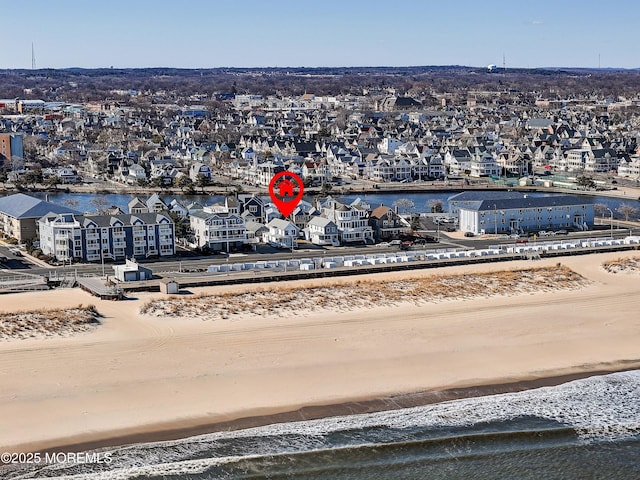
(17, 265)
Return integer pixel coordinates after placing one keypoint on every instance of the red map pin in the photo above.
(282, 189)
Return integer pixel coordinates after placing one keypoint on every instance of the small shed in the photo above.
(131, 272)
(169, 286)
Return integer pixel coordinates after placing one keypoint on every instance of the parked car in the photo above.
(384, 244)
(469, 234)
(16, 252)
(561, 232)
(395, 243)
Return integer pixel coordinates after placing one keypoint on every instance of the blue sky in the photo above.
(312, 33)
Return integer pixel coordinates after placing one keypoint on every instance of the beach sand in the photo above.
(140, 377)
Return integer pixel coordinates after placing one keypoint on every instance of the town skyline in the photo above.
(252, 34)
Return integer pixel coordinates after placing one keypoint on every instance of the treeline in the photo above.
(81, 85)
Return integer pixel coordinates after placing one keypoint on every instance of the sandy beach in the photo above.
(139, 375)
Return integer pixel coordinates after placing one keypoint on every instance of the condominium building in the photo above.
(527, 214)
(94, 238)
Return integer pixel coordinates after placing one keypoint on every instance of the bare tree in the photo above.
(101, 204)
(435, 205)
(627, 210)
(600, 209)
(71, 203)
(403, 205)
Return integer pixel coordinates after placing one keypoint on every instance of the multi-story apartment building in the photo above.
(93, 238)
(527, 214)
(218, 230)
(11, 146)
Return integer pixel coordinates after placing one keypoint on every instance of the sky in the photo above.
(319, 33)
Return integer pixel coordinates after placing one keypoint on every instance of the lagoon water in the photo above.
(585, 429)
(84, 201)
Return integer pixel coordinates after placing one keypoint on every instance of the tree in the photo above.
(71, 203)
(435, 205)
(101, 204)
(32, 177)
(182, 225)
(325, 189)
(627, 210)
(202, 181)
(53, 181)
(600, 209)
(403, 205)
(186, 184)
(585, 182)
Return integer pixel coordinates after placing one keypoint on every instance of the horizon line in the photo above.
(484, 67)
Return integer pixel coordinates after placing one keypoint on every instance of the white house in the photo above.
(282, 234)
(218, 231)
(136, 173)
(322, 231)
(485, 166)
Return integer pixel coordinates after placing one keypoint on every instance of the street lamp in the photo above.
(611, 212)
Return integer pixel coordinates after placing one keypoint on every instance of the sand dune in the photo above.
(142, 372)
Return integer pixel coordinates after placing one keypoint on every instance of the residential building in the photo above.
(322, 231)
(485, 166)
(218, 230)
(282, 234)
(94, 238)
(387, 224)
(471, 198)
(137, 206)
(156, 204)
(11, 146)
(527, 214)
(19, 214)
(197, 169)
(351, 220)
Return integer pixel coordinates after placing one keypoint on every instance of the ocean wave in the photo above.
(596, 409)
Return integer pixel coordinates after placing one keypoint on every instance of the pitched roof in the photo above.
(379, 211)
(20, 205)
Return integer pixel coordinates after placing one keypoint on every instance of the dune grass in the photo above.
(288, 301)
(623, 265)
(42, 323)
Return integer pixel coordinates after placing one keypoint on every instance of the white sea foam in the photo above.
(598, 408)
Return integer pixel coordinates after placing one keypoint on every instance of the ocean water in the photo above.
(585, 429)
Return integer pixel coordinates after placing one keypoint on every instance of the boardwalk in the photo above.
(97, 286)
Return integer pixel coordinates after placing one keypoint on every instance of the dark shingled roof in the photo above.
(478, 196)
(529, 202)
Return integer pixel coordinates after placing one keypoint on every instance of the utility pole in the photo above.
(611, 212)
